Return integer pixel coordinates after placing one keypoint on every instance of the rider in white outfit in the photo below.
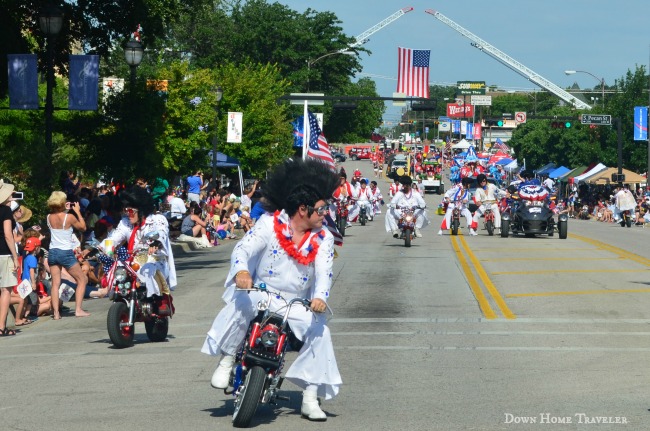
(364, 197)
(487, 194)
(458, 196)
(290, 251)
(377, 198)
(406, 198)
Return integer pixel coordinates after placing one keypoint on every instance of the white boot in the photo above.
(440, 232)
(472, 232)
(395, 233)
(310, 408)
(417, 233)
(221, 376)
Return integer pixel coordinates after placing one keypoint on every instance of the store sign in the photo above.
(454, 110)
(470, 87)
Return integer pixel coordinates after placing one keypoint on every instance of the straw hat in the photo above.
(6, 190)
(27, 214)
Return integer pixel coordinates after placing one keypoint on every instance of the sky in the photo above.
(604, 37)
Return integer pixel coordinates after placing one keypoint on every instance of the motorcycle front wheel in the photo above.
(505, 228)
(407, 237)
(363, 220)
(157, 329)
(455, 224)
(121, 335)
(248, 398)
(489, 225)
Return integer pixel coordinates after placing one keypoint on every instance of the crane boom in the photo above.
(510, 62)
(363, 37)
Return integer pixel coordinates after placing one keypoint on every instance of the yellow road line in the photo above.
(507, 313)
(508, 259)
(483, 303)
(584, 292)
(619, 251)
(565, 271)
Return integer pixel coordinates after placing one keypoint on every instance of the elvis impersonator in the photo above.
(458, 196)
(406, 197)
(291, 251)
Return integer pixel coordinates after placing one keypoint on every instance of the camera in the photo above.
(17, 195)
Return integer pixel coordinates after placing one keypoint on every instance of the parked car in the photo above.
(357, 153)
(339, 157)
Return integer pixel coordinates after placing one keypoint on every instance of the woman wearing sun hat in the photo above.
(8, 256)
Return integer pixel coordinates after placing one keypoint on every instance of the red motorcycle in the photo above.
(256, 377)
(130, 301)
(455, 217)
(488, 221)
(407, 224)
(341, 215)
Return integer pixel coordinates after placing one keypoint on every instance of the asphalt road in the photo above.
(462, 333)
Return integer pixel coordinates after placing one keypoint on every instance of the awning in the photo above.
(223, 161)
(598, 168)
(572, 173)
(505, 161)
(544, 170)
(463, 144)
(558, 172)
(605, 177)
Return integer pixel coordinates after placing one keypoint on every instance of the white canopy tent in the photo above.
(462, 144)
(599, 167)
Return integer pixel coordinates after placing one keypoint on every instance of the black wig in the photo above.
(298, 182)
(139, 198)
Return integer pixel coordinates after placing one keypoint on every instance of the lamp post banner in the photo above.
(234, 127)
(640, 123)
(23, 81)
(84, 82)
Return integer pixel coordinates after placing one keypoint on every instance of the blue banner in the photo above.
(469, 131)
(640, 123)
(23, 81)
(84, 82)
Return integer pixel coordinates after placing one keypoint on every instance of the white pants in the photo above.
(495, 210)
(446, 222)
(315, 363)
(393, 215)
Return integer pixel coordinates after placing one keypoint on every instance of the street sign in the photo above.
(470, 87)
(603, 120)
(310, 102)
(520, 117)
(481, 100)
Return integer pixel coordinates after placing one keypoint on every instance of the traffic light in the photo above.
(494, 122)
(561, 124)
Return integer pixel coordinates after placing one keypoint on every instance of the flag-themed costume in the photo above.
(458, 196)
(487, 196)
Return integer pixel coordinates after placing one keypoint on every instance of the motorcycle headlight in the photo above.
(409, 218)
(120, 274)
(270, 338)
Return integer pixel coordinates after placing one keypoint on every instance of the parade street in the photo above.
(453, 333)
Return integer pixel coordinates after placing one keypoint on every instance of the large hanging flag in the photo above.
(499, 145)
(413, 72)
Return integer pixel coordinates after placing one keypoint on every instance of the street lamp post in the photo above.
(50, 22)
(133, 55)
(601, 80)
(310, 63)
(219, 96)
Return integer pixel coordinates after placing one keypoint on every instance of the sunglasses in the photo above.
(321, 210)
(131, 212)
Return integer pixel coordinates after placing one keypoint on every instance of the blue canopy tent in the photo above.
(558, 172)
(224, 161)
(544, 170)
(504, 161)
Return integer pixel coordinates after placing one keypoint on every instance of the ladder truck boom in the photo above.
(363, 37)
(510, 62)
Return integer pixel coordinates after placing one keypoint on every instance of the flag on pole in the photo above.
(328, 222)
(318, 147)
(499, 145)
(413, 72)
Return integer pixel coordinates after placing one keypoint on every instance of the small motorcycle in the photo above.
(488, 221)
(406, 224)
(626, 218)
(455, 218)
(341, 215)
(256, 376)
(130, 301)
(363, 216)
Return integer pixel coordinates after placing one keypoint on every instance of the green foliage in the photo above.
(191, 105)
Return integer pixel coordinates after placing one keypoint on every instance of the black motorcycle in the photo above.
(532, 215)
(363, 216)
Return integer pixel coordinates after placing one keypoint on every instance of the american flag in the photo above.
(318, 148)
(331, 226)
(448, 145)
(413, 72)
(499, 145)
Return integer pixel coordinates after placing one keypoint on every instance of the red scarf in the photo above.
(133, 235)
